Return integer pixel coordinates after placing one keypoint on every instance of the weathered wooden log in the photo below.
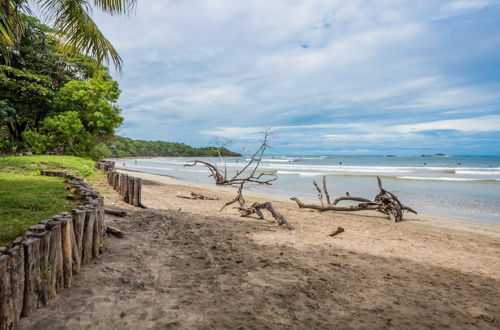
(96, 237)
(336, 232)
(120, 183)
(137, 192)
(385, 202)
(56, 281)
(67, 254)
(124, 191)
(131, 190)
(44, 237)
(6, 301)
(75, 252)
(78, 227)
(102, 219)
(115, 231)
(114, 180)
(256, 208)
(32, 275)
(116, 213)
(88, 235)
(17, 278)
(196, 196)
(321, 208)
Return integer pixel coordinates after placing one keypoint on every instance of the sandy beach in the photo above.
(185, 265)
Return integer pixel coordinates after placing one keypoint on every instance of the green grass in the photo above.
(31, 165)
(27, 198)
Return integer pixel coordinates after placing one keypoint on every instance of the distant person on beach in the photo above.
(340, 163)
(123, 164)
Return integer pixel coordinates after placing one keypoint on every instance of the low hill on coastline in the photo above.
(126, 147)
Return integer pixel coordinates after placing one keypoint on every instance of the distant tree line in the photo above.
(126, 147)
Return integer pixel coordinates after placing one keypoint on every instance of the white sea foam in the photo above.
(301, 173)
(148, 167)
(482, 172)
(446, 178)
(341, 169)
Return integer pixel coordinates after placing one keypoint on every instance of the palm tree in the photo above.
(72, 23)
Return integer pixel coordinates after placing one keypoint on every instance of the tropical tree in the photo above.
(72, 24)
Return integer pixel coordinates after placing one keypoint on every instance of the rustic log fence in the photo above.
(42, 262)
(129, 187)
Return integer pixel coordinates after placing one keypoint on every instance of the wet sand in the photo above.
(185, 265)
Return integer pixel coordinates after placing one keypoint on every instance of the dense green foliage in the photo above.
(125, 147)
(27, 198)
(55, 103)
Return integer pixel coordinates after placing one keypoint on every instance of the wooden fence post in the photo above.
(17, 279)
(78, 226)
(137, 191)
(88, 233)
(32, 275)
(67, 254)
(6, 302)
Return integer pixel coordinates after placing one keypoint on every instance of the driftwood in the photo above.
(221, 175)
(385, 202)
(256, 208)
(339, 230)
(196, 196)
(117, 213)
(115, 231)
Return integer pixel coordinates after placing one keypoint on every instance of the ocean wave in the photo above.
(301, 173)
(446, 178)
(484, 172)
(148, 167)
(341, 169)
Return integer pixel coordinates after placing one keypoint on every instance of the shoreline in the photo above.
(441, 221)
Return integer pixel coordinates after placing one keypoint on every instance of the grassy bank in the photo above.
(27, 198)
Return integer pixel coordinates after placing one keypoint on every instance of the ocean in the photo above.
(466, 187)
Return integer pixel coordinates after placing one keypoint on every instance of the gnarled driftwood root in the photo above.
(385, 202)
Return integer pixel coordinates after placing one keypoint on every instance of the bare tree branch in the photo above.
(221, 176)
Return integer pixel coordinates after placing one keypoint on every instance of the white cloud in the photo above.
(469, 4)
(477, 124)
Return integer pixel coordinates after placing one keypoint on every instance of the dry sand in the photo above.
(204, 269)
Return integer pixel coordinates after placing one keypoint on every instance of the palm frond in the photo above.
(77, 31)
(11, 26)
(116, 7)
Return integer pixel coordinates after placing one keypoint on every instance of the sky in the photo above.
(328, 77)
